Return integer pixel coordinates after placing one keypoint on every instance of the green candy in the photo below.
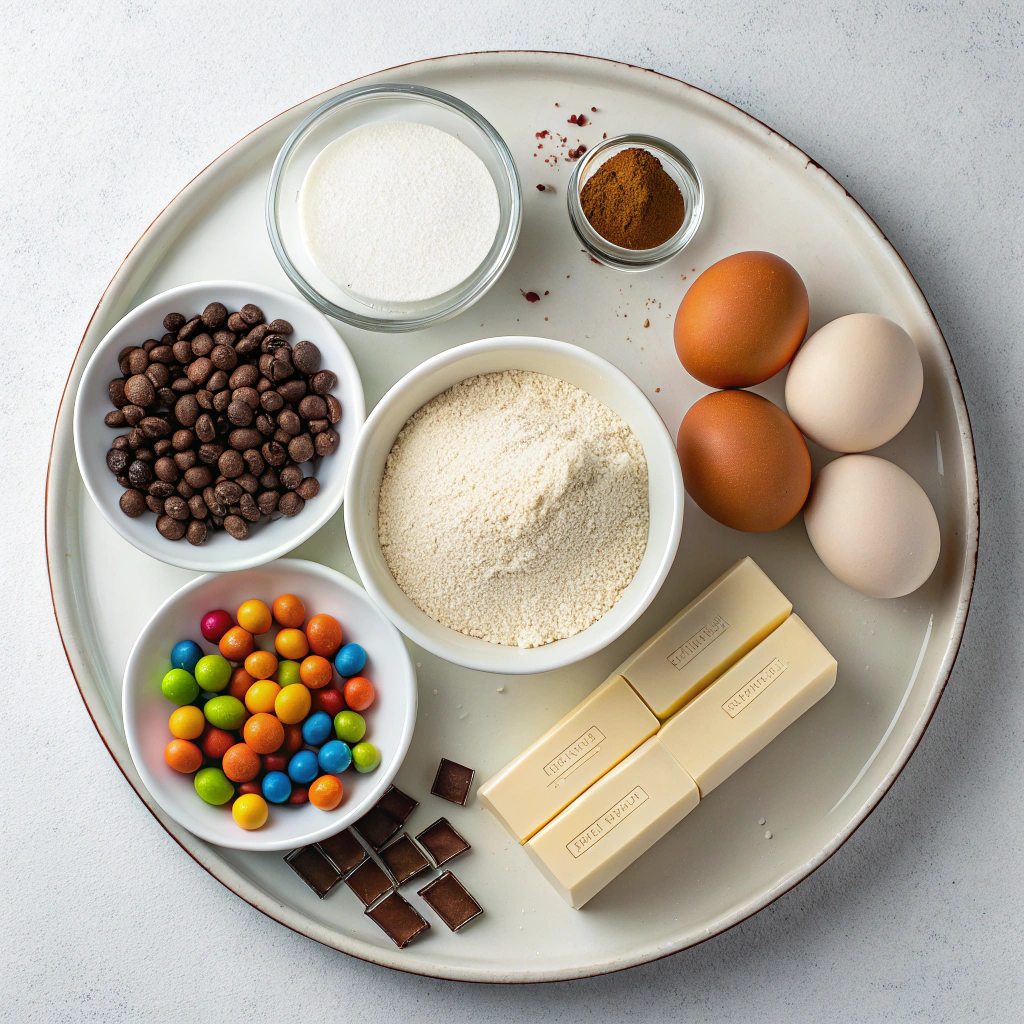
(213, 785)
(365, 756)
(349, 726)
(213, 673)
(287, 673)
(179, 687)
(225, 712)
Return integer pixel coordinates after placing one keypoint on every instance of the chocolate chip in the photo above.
(249, 509)
(244, 376)
(306, 357)
(333, 408)
(173, 322)
(214, 316)
(313, 407)
(267, 501)
(177, 508)
(172, 529)
(140, 474)
(237, 527)
(309, 488)
(199, 371)
(223, 357)
(205, 430)
(236, 323)
(300, 449)
(240, 413)
(133, 503)
(292, 391)
(231, 464)
(243, 438)
(196, 532)
(325, 443)
(290, 504)
(165, 469)
(290, 477)
(202, 345)
(114, 418)
(117, 461)
(280, 327)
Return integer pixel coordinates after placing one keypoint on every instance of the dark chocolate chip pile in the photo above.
(222, 412)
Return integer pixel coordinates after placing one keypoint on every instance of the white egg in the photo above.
(855, 383)
(873, 526)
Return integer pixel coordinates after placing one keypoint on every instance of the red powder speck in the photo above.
(529, 296)
(605, 136)
(572, 119)
(581, 120)
(593, 110)
(547, 293)
(556, 104)
(541, 135)
(656, 390)
(541, 188)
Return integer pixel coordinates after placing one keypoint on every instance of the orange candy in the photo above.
(241, 763)
(289, 611)
(240, 683)
(261, 665)
(237, 644)
(326, 792)
(183, 756)
(292, 644)
(358, 693)
(316, 672)
(324, 633)
(263, 733)
(254, 616)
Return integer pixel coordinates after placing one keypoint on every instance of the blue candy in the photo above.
(335, 756)
(350, 660)
(277, 787)
(317, 728)
(303, 767)
(185, 654)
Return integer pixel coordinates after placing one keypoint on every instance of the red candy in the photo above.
(293, 741)
(329, 700)
(300, 795)
(215, 624)
(250, 787)
(275, 762)
(216, 742)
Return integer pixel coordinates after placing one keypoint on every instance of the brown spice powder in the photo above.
(632, 202)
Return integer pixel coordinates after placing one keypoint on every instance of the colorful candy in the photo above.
(250, 811)
(213, 786)
(213, 673)
(185, 654)
(359, 693)
(179, 686)
(350, 660)
(225, 712)
(349, 726)
(253, 726)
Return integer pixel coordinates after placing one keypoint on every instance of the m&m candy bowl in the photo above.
(242, 733)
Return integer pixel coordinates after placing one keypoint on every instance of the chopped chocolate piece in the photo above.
(377, 827)
(399, 919)
(397, 804)
(404, 859)
(453, 782)
(314, 869)
(442, 842)
(344, 851)
(369, 882)
(448, 898)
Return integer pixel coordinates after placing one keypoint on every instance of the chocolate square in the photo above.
(404, 859)
(314, 869)
(442, 842)
(376, 827)
(396, 804)
(448, 898)
(344, 851)
(369, 882)
(453, 782)
(399, 919)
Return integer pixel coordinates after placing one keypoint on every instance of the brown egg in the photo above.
(742, 320)
(744, 461)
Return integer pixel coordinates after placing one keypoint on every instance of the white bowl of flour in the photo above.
(529, 512)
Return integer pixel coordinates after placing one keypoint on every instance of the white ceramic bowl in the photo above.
(568, 362)
(390, 719)
(266, 540)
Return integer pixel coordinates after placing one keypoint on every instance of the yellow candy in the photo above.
(250, 811)
(261, 696)
(292, 704)
(186, 723)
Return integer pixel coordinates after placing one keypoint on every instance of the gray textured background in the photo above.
(108, 110)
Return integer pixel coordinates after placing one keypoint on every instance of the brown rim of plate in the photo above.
(966, 583)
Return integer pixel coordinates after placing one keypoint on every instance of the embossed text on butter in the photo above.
(683, 655)
(578, 751)
(615, 814)
(749, 690)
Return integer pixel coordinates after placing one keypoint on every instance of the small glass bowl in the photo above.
(350, 110)
(679, 168)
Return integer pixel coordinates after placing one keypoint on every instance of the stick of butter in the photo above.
(623, 814)
(712, 632)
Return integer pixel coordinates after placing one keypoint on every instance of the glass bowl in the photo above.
(350, 110)
(679, 168)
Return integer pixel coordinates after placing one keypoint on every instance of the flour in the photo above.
(514, 507)
(398, 212)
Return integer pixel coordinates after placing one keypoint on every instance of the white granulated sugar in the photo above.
(514, 507)
(397, 212)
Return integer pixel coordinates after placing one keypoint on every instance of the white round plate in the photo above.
(389, 721)
(817, 782)
(268, 540)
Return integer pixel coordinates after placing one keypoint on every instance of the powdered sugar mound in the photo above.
(514, 508)
(398, 212)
